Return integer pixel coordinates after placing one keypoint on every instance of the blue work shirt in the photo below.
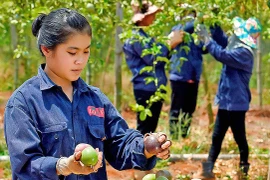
(133, 49)
(42, 125)
(190, 67)
(237, 59)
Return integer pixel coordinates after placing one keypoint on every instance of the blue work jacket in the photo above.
(42, 125)
(133, 49)
(237, 59)
(189, 68)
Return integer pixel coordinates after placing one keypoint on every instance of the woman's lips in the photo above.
(77, 71)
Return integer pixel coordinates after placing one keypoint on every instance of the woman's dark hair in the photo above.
(57, 26)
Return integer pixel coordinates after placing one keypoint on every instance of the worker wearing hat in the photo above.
(233, 96)
(144, 15)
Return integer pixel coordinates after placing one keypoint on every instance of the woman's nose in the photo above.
(79, 60)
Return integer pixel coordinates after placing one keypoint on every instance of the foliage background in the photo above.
(19, 56)
(102, 16)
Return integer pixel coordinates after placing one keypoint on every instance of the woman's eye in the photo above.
(86, 52)
(71, 53)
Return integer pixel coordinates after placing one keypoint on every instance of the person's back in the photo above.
(233, 96)
(146, 83)
(185, 72)
(133, 49)
(186, 63)
(233, 92)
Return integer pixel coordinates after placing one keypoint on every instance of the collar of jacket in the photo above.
(47, 83)
(234, 42)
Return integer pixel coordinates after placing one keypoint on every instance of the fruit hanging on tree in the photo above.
(90, 7)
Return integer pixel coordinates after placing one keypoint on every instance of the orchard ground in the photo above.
(258, 133)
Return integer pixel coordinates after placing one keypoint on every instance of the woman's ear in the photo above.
(46, 51)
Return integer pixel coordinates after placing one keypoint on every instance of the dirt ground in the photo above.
(258, 133)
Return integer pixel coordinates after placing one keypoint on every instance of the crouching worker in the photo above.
(54, 116)
(233, 97)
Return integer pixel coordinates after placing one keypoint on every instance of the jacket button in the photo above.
(56, 136)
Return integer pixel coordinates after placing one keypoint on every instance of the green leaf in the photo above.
(146, 69)
(148, 112)
(142, 115)
(162, 87)
(14, 21)
(183, 59)
(149, 80)
(146, 52)
(163, 59)
(185, 48)
(137, 108)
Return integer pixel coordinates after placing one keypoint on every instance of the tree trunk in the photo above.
(107, 62)
(208, 99)
(259, 72)
(27, 59)
(14, 41)
(118, 59)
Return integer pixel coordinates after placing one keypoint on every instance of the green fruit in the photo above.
(90, 7)
(89, 156)
(149, 177)
(164, 173)
(161, 178)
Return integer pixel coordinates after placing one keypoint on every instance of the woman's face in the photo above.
(65, 63)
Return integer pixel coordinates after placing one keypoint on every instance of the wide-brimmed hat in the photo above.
(143, 9)
(244, 30)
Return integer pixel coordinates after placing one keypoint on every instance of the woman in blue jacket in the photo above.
(53, 116)
(233, 96)
(134, 47)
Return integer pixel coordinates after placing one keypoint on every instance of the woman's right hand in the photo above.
(175, 38)
(72, 164)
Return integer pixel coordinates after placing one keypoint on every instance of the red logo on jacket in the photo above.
(93, 111)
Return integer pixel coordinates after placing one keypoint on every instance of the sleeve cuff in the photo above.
(144, 163)
(48, 168)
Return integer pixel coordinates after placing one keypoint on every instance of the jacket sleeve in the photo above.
(23, 142)
(124, 147)
(219, 35)
(188, 27)
(239, 58)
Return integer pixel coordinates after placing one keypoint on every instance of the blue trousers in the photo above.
(236, 121)
(150, 123)
(183, 103)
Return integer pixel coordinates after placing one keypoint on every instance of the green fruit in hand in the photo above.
(162, 178)
(149, 177)
(89, 156)
(164, 173)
